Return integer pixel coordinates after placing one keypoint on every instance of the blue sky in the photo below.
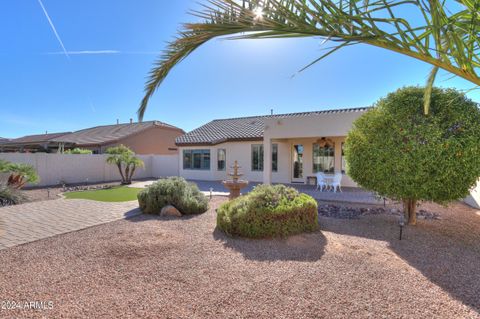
(41, 91)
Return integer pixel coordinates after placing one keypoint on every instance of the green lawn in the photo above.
(116, 194)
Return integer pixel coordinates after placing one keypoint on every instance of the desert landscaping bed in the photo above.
(158, 267)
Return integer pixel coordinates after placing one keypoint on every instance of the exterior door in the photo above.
(297, 163)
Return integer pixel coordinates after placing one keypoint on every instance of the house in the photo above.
(32, 143)
(152, 137)
(298, 146)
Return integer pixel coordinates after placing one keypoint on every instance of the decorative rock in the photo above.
(170, 210)
(85, 188)
(353, 212)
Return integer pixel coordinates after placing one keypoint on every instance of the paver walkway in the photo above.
(33, 221)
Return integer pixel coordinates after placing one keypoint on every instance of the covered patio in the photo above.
(307, 145)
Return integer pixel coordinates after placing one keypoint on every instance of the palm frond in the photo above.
(446, 38)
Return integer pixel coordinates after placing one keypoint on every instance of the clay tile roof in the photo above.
(34, 139)
(109, 133)
(242, 128)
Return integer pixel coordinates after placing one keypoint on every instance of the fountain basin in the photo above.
(234, 187)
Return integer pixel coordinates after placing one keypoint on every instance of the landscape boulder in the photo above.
(170, 210)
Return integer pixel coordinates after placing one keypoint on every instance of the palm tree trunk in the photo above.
(127, 174)
(16, 181)
(131, 172)
(119, 165)
(21, 182)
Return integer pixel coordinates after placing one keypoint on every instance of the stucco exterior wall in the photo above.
(336, 124)
(156, 140)
(242, 152)
(285, 132)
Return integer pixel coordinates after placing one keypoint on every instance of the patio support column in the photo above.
(338, 157)
(267, 160)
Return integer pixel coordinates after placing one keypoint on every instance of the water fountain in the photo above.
(236, 184)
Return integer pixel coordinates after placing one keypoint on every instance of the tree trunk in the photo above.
(127, 174)
(131, 172)
(21, 183)
(119, 165)
(16, 181)
(409, 209)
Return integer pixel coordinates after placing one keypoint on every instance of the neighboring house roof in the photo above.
(242, 128)
(108, 134)
(34, 139)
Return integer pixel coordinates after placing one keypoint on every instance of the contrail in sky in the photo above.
(85, 52)
(53, 28)
(103, 52)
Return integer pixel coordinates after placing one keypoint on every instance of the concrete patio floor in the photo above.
(348, 194)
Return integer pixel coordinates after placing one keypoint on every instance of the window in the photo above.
(257, 157)
(274, 157)
(221, 159)
(323, 158)
(344, 162)
(196, 159)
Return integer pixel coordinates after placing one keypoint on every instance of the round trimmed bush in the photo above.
(268, 211)
(175, 191)
(399, 152)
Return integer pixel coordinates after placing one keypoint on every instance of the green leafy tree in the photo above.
(441, 33)
(78, 151)
(126, 161)
(399, 152)
(20, 174)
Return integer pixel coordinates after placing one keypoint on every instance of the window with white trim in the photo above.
(221, 159)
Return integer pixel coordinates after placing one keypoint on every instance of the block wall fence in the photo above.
(55, 169)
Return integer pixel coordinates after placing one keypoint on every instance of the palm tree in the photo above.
(446, 35)
(125, 160)
(19, 174)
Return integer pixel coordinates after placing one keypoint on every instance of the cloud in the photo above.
(53, 28)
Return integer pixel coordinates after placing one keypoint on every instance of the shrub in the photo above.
(268, 211)
(175, 191)
(399, 152)
(77, 151)
(10, 196)
(20, 174)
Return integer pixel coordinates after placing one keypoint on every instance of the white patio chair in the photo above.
(336, 182)
(321, 181)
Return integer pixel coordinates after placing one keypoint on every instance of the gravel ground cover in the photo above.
(153, 267)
